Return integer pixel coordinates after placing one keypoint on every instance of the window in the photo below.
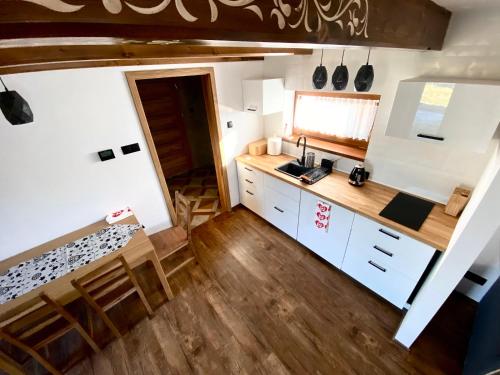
(342, 118)
(432, 108)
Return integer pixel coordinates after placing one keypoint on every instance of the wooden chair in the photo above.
(107, 286)
(178, 237)
(35, 324)
(10, 366)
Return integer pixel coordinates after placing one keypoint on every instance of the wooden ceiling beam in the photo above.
(418, 24)
(30, 59)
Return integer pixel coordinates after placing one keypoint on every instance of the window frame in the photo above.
(328, 138)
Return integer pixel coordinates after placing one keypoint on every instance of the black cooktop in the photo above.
(407, 210)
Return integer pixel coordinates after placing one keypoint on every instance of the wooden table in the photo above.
(137, 251)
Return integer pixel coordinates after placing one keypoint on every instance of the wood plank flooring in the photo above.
(260, 303)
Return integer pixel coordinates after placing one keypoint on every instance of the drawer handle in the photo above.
(388, 253)
(248, 169)
(278, 209)
(249, 192)
(377, 266)
(250, 182)
(388, 233)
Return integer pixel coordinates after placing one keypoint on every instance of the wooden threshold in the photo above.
(334, 148)
(38, 58)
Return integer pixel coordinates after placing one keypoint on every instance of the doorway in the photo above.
(179, 118)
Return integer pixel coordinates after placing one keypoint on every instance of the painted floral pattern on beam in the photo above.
(349, 15)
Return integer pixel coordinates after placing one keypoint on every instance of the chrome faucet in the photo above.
(303, 160)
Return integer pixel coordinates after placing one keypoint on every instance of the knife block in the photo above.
(457, 202)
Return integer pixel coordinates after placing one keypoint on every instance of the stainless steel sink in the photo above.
(293, 169)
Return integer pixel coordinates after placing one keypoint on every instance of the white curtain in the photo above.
(335, 116)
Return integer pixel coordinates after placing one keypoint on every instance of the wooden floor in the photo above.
(260, 303)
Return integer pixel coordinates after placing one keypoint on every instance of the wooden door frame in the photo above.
(207, 76)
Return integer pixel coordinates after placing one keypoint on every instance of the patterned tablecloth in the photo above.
(31, 274)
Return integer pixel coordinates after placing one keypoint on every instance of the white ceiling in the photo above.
(460, 5)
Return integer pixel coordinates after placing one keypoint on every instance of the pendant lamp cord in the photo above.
(369, 52)
(3, 84)
(342, 62)
(321, 63)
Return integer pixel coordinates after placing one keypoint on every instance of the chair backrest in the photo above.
(109, 275)
(183, 212)
(31, 318)
(35, 324)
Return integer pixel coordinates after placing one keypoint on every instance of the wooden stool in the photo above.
(107, 286)
(38, 322)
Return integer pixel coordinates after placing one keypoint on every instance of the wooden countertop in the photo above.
(367, 200)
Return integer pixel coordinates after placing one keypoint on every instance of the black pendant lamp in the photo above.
(320, 76)
(340, 76)
(365, 76)
(15, 109)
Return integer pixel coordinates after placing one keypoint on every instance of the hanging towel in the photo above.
(322, 216)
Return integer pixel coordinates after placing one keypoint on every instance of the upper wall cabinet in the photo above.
(263, 96)
(458, 114)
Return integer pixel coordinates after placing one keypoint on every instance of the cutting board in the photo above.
(457, 201)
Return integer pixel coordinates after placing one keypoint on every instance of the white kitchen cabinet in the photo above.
(384, 260)
(251, 186)
(331, 244)
(284, 188)
(457, 114)
(385, 245)
(281, 211)
(263, 96)
(386, 282)
(281, 205)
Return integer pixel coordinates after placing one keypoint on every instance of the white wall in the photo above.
(472, 50)
(429, 170)
(475, 229)
(51, 180)
(488, 266)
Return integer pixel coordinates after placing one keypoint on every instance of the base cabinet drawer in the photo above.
(251, 186)
(250, 173)
(252, 200)
(286, 189)
(382, 244)
(281, 211)
(386, 282)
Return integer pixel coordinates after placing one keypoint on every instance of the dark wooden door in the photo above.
(161, 102)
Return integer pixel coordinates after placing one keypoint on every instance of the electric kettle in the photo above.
(358, 175)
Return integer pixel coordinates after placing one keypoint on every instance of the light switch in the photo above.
(128, 149)
(106, 155)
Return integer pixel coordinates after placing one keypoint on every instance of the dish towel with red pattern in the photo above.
(322, 217)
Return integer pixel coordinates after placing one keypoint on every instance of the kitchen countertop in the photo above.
(367, 200)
